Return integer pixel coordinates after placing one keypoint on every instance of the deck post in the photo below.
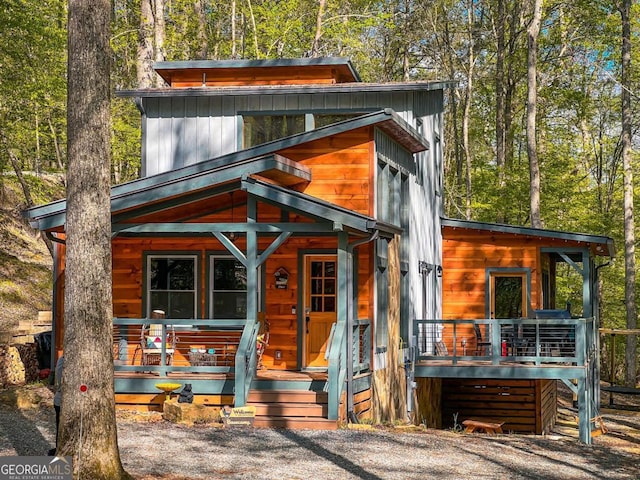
(584, 414)
(495, 343)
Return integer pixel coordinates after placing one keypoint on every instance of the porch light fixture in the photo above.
(439, 271)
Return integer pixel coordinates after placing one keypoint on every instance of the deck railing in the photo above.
(191, 345)
(565, 341)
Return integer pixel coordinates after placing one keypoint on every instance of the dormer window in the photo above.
(265, 128)
(258, 128)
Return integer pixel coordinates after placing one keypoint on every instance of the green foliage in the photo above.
(578, 90)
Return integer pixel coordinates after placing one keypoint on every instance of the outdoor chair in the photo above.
(151, 342)
(482, 346)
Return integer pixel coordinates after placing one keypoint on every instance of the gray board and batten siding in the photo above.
(186, 126)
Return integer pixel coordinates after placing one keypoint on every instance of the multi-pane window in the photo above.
(172, 285)
(227, 288)
(323, 286)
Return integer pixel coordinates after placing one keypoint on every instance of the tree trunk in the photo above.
(158, 36)
(15, 163)
(145, 46)
(315, 48)
(203, 44)
(233, 29)
(54, 135)
(468, 97)
(500, 94)
(88, 423)
(629, 223)
(255, 29)
(532, 98)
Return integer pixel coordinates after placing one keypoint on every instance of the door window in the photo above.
(508, 295)
(323, 286)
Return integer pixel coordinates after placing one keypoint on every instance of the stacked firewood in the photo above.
(18, 364)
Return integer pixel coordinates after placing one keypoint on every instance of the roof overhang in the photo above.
(262, 160)
(349, 88)
(600, 245)
(320, 210)
(342, 69)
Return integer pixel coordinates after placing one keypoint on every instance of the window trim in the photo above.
(523, 272)
(210, 256)
(146, 288)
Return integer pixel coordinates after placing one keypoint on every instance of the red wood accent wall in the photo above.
(466, 257)
(342, 169)
(247, 76)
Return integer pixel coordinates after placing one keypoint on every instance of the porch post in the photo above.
(242, 368)
(337, 361)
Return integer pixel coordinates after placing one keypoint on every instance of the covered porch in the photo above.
(221, 359)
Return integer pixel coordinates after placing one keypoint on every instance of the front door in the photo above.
(320, 307)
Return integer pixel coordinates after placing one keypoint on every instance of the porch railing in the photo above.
(189, 346)
(566, 341)
(246, 362)
(337, 357)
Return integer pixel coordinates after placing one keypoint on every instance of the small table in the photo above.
(198, 359)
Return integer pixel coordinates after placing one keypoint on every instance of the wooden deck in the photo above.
(138, 389)
(450, 368)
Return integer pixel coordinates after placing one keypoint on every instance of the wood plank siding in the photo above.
(468, 256)
(525, 406)
(341, 169)
(181, 131)
(223, 77)
(128, 282)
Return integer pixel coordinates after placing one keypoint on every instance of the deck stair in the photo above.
(290, 400)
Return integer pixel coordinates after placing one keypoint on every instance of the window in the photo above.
(265, 128)
(321, 120)
(172, 285)
(323, 286)
(259, 129)
(227, 288)
(509, 293)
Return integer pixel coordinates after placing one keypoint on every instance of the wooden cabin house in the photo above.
(285, 247)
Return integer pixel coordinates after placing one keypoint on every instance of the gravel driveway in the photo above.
(153, 449)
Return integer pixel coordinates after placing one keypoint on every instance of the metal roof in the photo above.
(287, 89)
(317, 208)
(534, 232)
(203, 175)
(340, 62)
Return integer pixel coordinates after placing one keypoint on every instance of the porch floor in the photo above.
(264, 374)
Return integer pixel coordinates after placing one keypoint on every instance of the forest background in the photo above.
(483, 45)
